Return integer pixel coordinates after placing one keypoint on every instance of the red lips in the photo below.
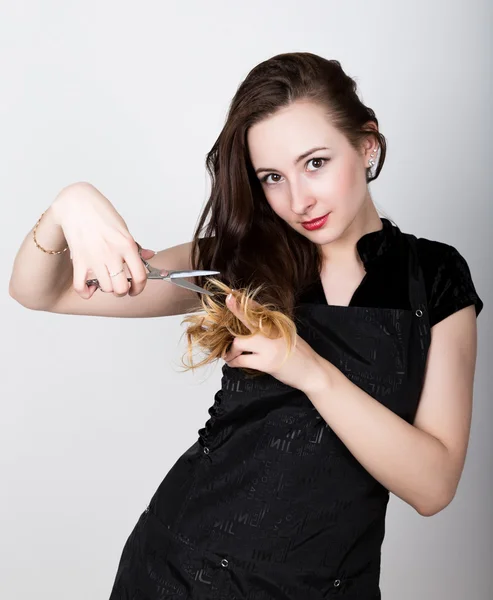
(316, 223)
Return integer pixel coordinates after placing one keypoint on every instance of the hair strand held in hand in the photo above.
(214, 332)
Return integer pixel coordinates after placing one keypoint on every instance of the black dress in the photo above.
(268, 502)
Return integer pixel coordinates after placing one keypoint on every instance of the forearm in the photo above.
(407, 461)
(38, 278)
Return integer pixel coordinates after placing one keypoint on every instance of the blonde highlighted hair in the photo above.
(215, 331)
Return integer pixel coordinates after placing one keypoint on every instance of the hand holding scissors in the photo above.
(98, 237)
(176, 277)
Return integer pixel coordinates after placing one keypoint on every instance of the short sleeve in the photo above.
(451, 286)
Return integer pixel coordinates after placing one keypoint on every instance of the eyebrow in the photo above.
(300, 157)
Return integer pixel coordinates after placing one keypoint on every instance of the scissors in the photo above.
(175, 277)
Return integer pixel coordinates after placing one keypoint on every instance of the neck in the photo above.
(342, 251)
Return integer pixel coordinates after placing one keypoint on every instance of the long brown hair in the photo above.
(244, 239)
(238, 233)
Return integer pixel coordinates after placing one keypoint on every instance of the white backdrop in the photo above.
(130, 96)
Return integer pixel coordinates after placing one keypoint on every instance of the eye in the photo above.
(266, 177)
(319, 160)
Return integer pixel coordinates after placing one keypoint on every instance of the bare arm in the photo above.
(421, 462)
(45, 282)
(158, 299)
(37, 278)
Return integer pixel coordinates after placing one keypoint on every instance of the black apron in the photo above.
(268, 502)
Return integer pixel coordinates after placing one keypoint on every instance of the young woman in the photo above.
(284, 493)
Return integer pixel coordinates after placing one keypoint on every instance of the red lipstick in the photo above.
(316, 223)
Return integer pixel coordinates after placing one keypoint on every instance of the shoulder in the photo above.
(434, 255)
(448, 280)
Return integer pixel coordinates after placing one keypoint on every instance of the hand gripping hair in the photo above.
(215, 331)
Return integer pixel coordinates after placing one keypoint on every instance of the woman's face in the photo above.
(301, 183)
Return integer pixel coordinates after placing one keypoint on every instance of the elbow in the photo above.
(23, 301)
(13, 295)
(434, 504)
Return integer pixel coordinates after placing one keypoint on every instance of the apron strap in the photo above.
(417, 292)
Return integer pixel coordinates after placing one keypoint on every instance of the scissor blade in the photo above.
(190, 286)
(175, 274)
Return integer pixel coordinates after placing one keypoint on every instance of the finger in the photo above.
(237, 348)
(235, 357)
(79, 279)
(233, 302)
(147, 254)
(251, 302)
(119, 281)
(104, 279)
(91, 290)
(137, 272)
(226, 350)
(244, 361)
(236, 310)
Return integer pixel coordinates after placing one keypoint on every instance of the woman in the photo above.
(284, 493)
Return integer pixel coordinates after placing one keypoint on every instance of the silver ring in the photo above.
(117, 272)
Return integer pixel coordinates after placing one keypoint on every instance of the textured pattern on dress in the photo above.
(268, 502)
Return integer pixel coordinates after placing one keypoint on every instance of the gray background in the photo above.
(95, 410)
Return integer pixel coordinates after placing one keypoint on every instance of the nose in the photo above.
(302, 198)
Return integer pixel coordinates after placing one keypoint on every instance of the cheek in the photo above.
(277, 202)
(347, 186)
(345, 179)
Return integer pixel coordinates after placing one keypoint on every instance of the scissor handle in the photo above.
(150, 269)
(129, 279)
(96, 282)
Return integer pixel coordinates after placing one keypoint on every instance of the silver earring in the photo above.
(371, 162)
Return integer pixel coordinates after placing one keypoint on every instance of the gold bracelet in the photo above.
(41, 247)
